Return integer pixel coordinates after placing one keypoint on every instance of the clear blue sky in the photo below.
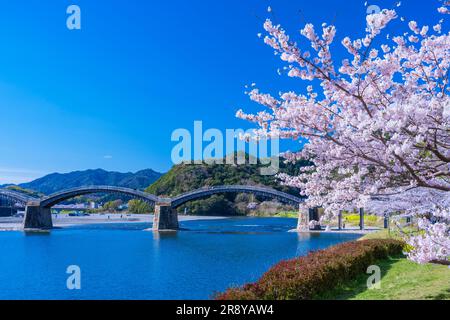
(111, 94)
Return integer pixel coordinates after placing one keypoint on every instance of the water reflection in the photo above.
(30, 233)
(303, 236)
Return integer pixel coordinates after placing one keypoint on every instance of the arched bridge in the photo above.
(38, 211)
(256, 190)
(61, 196)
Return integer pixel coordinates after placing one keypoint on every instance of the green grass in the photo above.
(287, 214)
(388, 234)
(401, 280)
(381, 234)
(369, 220)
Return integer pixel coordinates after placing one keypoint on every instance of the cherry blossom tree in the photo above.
(377, 123)
(432, 209)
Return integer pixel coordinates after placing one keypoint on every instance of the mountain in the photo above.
(187, 177)
(58, 181)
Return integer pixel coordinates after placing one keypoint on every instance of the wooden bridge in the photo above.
(38, 210)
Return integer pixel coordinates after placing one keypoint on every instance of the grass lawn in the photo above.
(287, 214)
(388, 234)
(401, 279)
(382, 234)
(351, 219)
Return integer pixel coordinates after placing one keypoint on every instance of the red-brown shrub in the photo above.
(319, 271)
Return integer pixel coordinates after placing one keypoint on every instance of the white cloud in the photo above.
(18, 175)
(107, 156)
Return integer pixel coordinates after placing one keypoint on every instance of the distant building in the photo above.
(77, 206)
(252, 206)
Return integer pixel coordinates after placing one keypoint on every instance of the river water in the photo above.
(121, 261)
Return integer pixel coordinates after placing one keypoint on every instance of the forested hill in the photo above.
(187, 177)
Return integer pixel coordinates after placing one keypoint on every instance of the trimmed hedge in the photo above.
(319, 271)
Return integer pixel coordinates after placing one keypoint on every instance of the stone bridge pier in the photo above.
(37, 217)
(165, 218)
(303, 220)
(305, 216)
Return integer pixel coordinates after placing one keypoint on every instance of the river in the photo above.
(121, 261)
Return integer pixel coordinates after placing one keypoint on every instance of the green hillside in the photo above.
(187, 177)
(27, 192)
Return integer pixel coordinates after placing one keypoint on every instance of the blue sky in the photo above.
(110, 95)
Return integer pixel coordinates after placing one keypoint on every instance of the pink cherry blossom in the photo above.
(378, 125)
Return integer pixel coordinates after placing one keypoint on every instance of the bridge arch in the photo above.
(256, 190)
(58, 197)
(16, 196)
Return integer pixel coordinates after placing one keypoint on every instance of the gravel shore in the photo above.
(64, 220)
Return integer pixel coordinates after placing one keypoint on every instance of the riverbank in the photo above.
(64, 220)
(305, 277)
(333, 274)
(355, 230)
(401, 279)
